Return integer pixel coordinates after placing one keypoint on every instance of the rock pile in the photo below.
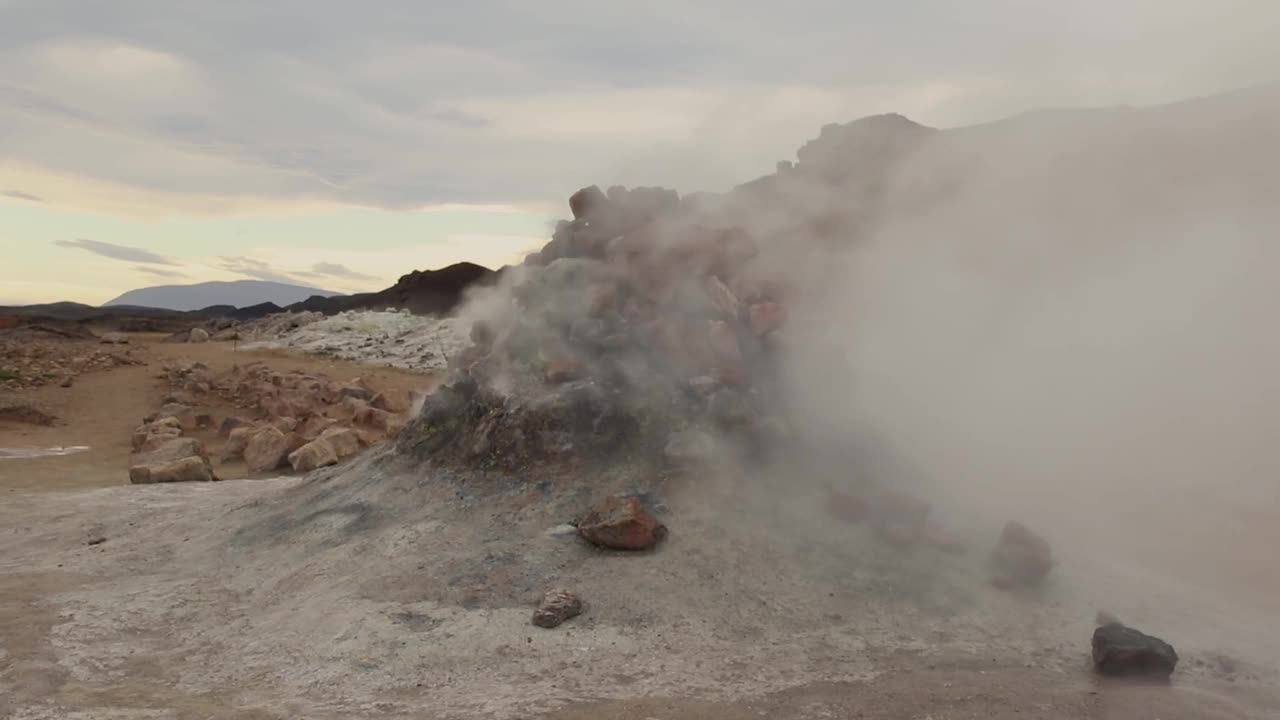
(292, 420)
(640, 322)
(32, 356)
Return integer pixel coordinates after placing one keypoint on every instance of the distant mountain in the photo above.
(238, 293)
(421, 292)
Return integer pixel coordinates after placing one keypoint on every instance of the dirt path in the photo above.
(101, 409)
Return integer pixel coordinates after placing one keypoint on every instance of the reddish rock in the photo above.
(190, 469)
(315, 454)
(266, 449)
(285, 424)
(150, 435)
(621, 524)
(345, 442)
(1020, 558)
(184, 414)
(315, 426)
(556, 607)
(170, 451)
(237, 441)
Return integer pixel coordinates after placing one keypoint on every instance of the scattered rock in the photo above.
(191, 469)
(151, 435)
(315, 454)
(185, 415)
(1020, 558)
(96, 540)
(556, 607)
(344, 441)
(1122, 651)
(266, 449)
(230, 423)
(236, 443)
(621, 524)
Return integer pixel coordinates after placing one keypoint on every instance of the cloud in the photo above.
(339, 271)
(256, 269)
(405, 105)
(158, 272)
(116, 252)
(19, 195)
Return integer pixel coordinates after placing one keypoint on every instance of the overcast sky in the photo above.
(341, 144)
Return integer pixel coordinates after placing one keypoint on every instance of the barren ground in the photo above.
(381, 590)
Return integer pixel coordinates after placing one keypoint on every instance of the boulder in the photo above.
(231, 423)
(344, 441)
(621, 524)
(185, 415)
(115, 338)
(315, 454)
(170, 451)
(237, 441)
(315, 426)
(149, 436)
(556, 607)
(266, 449)
(1020, 558)
(189, 469)
(1119, 650)
(198, 335)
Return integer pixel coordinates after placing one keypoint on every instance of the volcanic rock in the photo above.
(1121, 650)
(344, 441)
(266, 449)
(190, 469)
(556, 607)
(149, 436)
(315, 454)
(621, 524)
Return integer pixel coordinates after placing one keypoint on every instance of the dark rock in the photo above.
(556, 607)
(621, 524)
(1120, 650)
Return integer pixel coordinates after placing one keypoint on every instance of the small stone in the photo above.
(556, 607)
(1121, 650)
